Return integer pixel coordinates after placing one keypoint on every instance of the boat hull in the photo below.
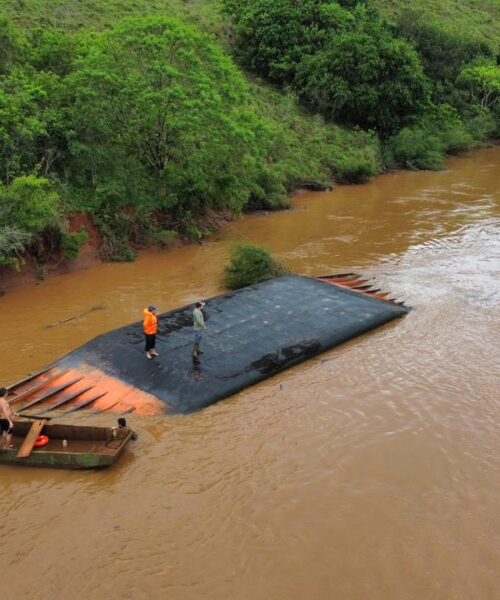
(69, 447)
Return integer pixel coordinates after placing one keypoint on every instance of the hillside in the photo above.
(478, 18)
(148, 116)
(84, 14)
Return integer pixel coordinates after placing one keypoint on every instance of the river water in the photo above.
(370, 472)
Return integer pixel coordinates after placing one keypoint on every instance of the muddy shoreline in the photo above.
(90, 256)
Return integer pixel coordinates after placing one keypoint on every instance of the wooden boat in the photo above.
(68, 447)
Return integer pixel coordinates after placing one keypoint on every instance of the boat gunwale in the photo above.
(67, 458)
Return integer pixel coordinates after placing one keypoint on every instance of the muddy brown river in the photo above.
(369, 473)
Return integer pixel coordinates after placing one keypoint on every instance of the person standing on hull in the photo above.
(6, 424)
(198, 326)
(150, 330)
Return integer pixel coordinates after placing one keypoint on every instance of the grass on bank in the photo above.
(75, 15)
(478, 18)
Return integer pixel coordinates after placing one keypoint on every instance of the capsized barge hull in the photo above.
(253, 333)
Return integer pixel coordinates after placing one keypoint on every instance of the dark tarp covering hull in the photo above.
(252, 333)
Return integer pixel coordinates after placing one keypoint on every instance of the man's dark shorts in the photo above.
(5, 426)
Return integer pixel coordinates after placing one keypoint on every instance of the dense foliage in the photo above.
(365, 78)
(28, 207)
(162, 125)
(443, 52)
(344, 62)
(146, 124)
(149, 124)
(251, 264)
(424, 88)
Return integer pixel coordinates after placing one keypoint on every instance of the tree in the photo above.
(444, 52)
(161, 116)
(273, 36)
(13, 243)
(28, 207)
(53, 50)
(12, 46)
(365, 77)
(32, 122)
(30, 204)
(344, 62)
(482, 83)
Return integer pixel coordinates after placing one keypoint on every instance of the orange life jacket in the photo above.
(150, 322)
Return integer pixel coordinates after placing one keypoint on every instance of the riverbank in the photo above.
(90, 255)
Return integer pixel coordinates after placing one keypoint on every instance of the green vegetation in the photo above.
(13, 244)
(308, 152)
(72, 243)
(478, 18)
(406, 80)
(138, 114)
(162, 121)
(344, 63)
(80, 15)
(444, 52)
(483, 83)
(425, 145)
(28, 209)
(251, 264)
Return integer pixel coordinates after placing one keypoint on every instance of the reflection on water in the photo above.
(369, 472)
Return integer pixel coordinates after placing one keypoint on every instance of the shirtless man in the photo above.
(6, 424)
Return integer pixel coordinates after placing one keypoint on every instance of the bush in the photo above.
(13, 244)
(415, 148)
(444, 52)
(72, 243)
(29, 213)
(446, 122)
(251, 264)
(425, 145)
(30, 204)
(481, 124)
(165, 236)
(269, 192)
(344, 62)
(115, 230)
(354, 169)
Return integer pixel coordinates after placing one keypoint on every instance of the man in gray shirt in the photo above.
(198, 326)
